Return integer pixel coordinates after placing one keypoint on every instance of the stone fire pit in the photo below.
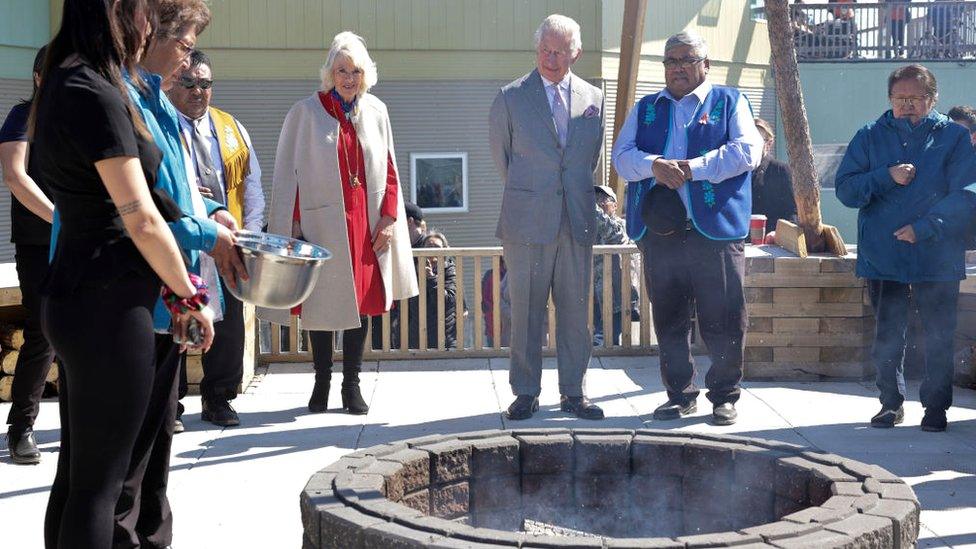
(603, 488)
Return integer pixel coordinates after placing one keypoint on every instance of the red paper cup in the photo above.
(757, 229)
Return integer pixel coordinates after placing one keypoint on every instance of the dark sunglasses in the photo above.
(190, 83)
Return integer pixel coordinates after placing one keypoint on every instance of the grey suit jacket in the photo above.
(537, 173)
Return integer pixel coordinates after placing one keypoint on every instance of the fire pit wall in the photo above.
(604, 488)
(809, 318)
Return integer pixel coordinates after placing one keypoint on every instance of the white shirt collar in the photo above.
(701, 92)
(563, 84)
(197, 123)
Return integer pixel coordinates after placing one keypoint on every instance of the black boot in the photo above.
(319, 401)
(352, 398)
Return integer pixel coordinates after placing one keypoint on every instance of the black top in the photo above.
(26, 228)
(81, 120)
(772, 192)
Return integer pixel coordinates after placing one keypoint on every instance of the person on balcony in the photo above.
(897, 14)
(688, 152)
(611, 230)
(30, 222)
(909, 173)
(336, 185)
(546, 135)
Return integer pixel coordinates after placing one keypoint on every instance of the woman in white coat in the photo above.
(336, 185)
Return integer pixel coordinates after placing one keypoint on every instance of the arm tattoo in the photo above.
(129, 208)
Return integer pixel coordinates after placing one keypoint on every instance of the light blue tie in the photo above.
(560, 114)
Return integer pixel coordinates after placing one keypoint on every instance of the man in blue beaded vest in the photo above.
(687, 153)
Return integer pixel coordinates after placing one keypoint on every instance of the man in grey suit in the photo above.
(546, 133)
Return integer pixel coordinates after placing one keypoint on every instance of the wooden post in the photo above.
(806, 186)
(631, 40)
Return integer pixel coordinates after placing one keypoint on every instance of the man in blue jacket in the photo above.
(910, 174)
(688, 153)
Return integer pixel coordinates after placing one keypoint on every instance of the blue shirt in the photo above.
(742, 153)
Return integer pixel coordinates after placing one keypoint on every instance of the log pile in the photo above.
(809, 318)
(11, 340)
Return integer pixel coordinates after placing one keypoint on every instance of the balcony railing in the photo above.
(918, 31)
(481, 327)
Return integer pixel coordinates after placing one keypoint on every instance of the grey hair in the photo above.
(352, 46)
(687, 38)
(560, 24)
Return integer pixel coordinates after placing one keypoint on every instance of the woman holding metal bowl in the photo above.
(336, 185)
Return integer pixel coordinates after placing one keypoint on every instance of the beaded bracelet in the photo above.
(179, 305)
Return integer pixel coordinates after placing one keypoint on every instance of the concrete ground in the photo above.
(239, 487)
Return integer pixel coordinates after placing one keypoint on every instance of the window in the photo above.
(758, 9)
(439, 181)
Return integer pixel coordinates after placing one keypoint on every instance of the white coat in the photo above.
(307, 162)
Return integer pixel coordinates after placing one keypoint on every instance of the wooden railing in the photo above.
(473, 338)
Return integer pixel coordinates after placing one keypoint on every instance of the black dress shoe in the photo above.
(888, 418)
(674, 409)
(353, 402)
(319, 401)
(523, 407)
(220, 413)
(934, 421)
(580, 407)
(23, 448)
(724, 414)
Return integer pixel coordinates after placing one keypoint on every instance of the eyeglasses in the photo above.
(685, 63)
(190, 83)
(908, 101)
(185, 49)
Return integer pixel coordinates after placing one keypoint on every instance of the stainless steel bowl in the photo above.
(282, 271)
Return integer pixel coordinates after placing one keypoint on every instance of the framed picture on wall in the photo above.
(439, 181)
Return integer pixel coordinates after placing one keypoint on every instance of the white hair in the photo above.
(353, 47)
(687, 38)
(562, 25)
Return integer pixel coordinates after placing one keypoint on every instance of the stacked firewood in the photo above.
(11, 339)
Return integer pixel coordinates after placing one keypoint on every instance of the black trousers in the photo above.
(105, 339)
(936, 302)
(36, 355)
(142, 514)
(223, 364)
(684, 272)
(353, 345)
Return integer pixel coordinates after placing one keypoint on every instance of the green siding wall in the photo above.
(24, 27)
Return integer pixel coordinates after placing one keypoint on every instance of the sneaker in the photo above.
(220, 413)
(888, 418)
(934, 421)
(178, 426)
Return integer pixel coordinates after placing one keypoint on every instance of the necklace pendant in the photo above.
(355, 181)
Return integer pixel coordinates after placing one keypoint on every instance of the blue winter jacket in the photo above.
(936, 203)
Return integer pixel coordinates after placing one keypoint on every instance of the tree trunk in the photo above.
(631, 40)
(806, 186)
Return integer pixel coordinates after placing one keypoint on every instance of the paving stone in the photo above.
(415, 472)
(450, 461)
(497, 456)
(756, 469)
(546, 454)
(539, 431)
(603, 491)
(496, 492)
(312, 501)
(711, 460)
(792, 478)
(381, 450)
(820, 515)
(656, 491)
(889, 490)
(643, 543)
(450, 500)
(441, 526)
(553, 542)
(351, 486)
(847, 489)
(782, 529)
(862, 503)
(388, 510)
(547, 490)
(822, 479)
(347, 462)
(487, 535)
(390, 535)
(817, 540)
(722, 539)
(392, 477)
(419, 500)
(428, 439)
(342, 527)
(904, 516)
(475, 436)
(602, 455)
(866, 470)
(655, 455)
(464, 544)
(867, 530)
